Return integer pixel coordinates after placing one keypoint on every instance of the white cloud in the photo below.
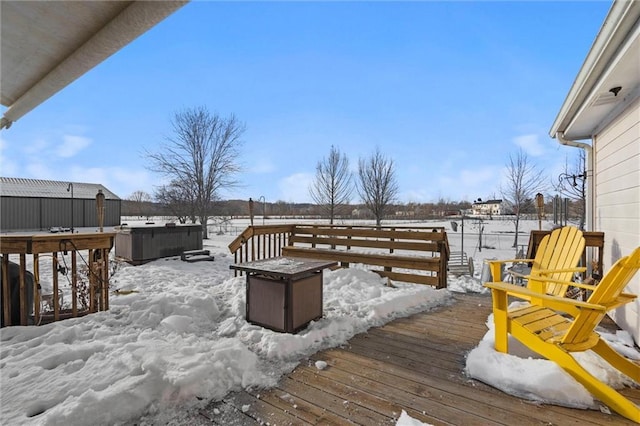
(36, 147)
(72, 144)
(39, 170)
(7, 167)
(530, 144)
(413, 195)
(295, 188)
(89, 175)
(469, 184)
(123, 182)
(262, 165)
(126, 181)
(478, 177)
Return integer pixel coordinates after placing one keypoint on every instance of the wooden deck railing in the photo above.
(88, 278)
(412, 254)
(260, 242)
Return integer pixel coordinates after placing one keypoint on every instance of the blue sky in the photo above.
(446, 89)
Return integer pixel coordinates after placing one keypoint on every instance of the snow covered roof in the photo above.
(20, 187)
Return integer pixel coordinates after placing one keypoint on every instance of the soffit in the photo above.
(603, 104)
(613, 62)
(46, 45)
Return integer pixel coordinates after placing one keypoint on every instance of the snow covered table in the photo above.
(284, 293)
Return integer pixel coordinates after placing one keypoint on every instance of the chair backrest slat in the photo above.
(606, 292)
(561, 249)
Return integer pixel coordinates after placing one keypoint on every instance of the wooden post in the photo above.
(74, 284)
(56, 302)
(92, 283)
(36, 288)
(251, 210)
(100, 209)
(105, 256)
(6, 291)
(23, 293)
(540, 208)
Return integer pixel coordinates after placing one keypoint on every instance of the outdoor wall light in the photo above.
(573, 177)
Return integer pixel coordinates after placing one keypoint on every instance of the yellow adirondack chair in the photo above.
(555, 263)
(543, 330)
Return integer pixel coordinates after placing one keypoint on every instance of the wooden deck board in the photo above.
(409, 364)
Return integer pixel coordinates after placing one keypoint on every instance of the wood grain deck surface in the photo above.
(414, 364)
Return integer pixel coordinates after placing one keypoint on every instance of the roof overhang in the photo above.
(609, 79)
(46, 45)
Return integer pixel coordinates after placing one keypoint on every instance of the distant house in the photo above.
(38, 205)
(487, 208)
(603, 107)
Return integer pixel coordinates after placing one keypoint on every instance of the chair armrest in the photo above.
(555, 302)
(623, 299)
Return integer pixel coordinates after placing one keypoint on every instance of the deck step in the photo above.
(460, 264)
(196, 255)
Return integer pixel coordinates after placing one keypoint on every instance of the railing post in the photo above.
(74, 284)
(442, 279)
(105, 278)
(92, 284)
(6, 291)
(56, 302)
(260, 245)
(253, 249)
(392, 240)
(23, 293)
(36, 288)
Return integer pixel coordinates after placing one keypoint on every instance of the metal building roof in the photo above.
(38, 188)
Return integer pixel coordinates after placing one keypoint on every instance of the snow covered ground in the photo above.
(175, 338)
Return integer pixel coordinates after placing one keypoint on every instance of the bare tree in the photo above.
(200, 158)
(377, 184)
(332, 187)
(178, 200)
(523, 181)
(572, 183)
(142, 200)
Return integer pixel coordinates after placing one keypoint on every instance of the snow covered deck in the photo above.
(409, 364)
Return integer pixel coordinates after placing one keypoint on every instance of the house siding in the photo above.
(617, 200)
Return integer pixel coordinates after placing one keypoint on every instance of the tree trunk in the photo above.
(203, 222)
(515, 240)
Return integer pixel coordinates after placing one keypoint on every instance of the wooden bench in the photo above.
(410, 254)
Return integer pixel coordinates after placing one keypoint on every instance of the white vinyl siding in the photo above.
(617, 200)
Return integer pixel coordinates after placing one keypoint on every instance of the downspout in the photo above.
(589, 204)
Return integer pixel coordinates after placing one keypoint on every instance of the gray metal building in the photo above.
(37, 205)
